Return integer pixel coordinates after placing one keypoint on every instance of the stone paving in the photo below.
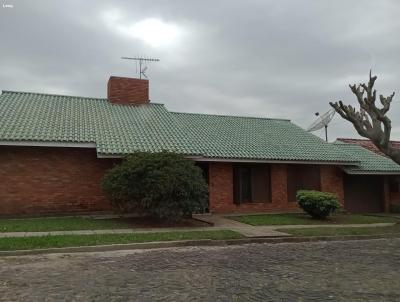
(323, 271)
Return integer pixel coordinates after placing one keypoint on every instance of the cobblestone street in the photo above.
(324, 271)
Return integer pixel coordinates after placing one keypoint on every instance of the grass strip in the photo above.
(60, 224)
(343, 231)
(43, 242)
(299, 218)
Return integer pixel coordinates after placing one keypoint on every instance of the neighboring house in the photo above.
(376, 175)
(367, 144)
(55, 149)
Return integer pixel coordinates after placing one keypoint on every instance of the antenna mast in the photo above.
(142, 61)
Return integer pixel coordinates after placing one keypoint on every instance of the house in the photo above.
(55, 150)
(367, 144)
(375, 175)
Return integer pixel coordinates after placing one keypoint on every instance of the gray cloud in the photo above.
(265, 58)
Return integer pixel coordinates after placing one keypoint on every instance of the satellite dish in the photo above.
(322, 122)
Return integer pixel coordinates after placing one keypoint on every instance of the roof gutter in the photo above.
(206, 159)
(195, 158)
(371, 172)
(47, 144)
(236, 160)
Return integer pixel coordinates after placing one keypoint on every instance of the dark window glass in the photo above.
(302, 177)
(394, 185)
(261, 183)
(251, 183)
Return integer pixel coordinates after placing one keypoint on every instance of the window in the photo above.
(394, 185)
(302, 177)
(251, 183)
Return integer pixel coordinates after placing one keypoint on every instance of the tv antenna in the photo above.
(142, 64)
(322, 122)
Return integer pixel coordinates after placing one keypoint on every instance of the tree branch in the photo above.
(370, 121)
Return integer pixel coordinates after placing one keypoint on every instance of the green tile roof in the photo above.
(115, 129)
(121, 129)
(257, 138)
(369, 162)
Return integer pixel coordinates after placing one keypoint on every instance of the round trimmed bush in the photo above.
(162, 185)
(317, 204)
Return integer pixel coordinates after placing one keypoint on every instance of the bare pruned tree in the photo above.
(370, 121)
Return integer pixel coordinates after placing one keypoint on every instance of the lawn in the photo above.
(300, 218)
(45, 224)
(332, 231)
(60, 224)
(43, 242)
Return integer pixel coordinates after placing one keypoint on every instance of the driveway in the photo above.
(323, 271)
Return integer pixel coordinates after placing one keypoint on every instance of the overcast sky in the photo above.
(280, 59)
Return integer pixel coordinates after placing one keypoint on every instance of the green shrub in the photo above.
(162, 185)
(317, 204)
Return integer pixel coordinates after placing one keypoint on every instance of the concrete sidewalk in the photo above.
(270, 230)
(110, 231)
(247, 231)
(218, 222)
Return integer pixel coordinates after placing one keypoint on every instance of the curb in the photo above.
(192, 243)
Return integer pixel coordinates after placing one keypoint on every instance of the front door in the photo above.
(363, 193)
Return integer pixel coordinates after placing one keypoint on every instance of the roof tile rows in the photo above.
(366, 143)
(369, 161)
(115, 129)
(256, 138)
(119, 129)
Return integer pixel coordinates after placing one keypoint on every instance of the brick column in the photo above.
(221, 187)
(332, 181)
(279, 185)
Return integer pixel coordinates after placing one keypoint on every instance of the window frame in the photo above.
(256, 173)
(297, 181)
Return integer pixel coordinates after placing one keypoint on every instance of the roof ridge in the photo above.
(53, 94)
(235, 116)
(65, 95)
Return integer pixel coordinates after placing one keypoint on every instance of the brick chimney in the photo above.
(128, 91)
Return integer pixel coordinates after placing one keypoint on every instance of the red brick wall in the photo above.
(221, 187)
(221, 191)
(36, 180)
(128, 91)
(332, 181)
